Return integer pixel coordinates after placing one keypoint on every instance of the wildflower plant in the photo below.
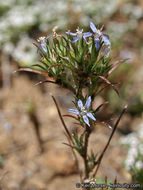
(79, 62)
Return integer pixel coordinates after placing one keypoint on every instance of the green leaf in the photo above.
(40, 66)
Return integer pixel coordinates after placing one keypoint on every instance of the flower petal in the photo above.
(80, 104)
(106, 35)
(88, 103)
(71, 33)
(43, 46)
(106, 40)
(91, 116)
(97, 43)
(75, 39)
(85, 39)
(93, 28)
(87, 34)
(49, 36)
(74, 111)
(86, 120)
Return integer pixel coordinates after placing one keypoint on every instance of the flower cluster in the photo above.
(99, 37)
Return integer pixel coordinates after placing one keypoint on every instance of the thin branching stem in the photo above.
(60, 115)
(105, 148)
(41, 82)
(34, 71)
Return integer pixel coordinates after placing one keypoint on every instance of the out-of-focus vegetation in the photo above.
(134, 159)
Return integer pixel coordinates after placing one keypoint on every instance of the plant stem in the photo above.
(105, 148)
(87, 134)
(36, 123)
(60, 115)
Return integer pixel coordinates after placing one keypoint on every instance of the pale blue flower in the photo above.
(43, 45)
(79, 34)
(100, 35)
(83, 111)
(42, 41)
(49, 36)
(97, 43)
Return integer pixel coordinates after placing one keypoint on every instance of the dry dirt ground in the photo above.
(24, 166)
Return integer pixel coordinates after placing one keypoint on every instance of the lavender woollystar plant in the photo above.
(77, 61)
(84, 111)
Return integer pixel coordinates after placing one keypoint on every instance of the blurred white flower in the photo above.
(141, 148)
(140, 131)
(135, 148)
(130, 140)
(129, 162)
(24, 51)
(133, 152)
(8, 48)
(139, 165)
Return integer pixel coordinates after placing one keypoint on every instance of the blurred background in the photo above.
(32, 156)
